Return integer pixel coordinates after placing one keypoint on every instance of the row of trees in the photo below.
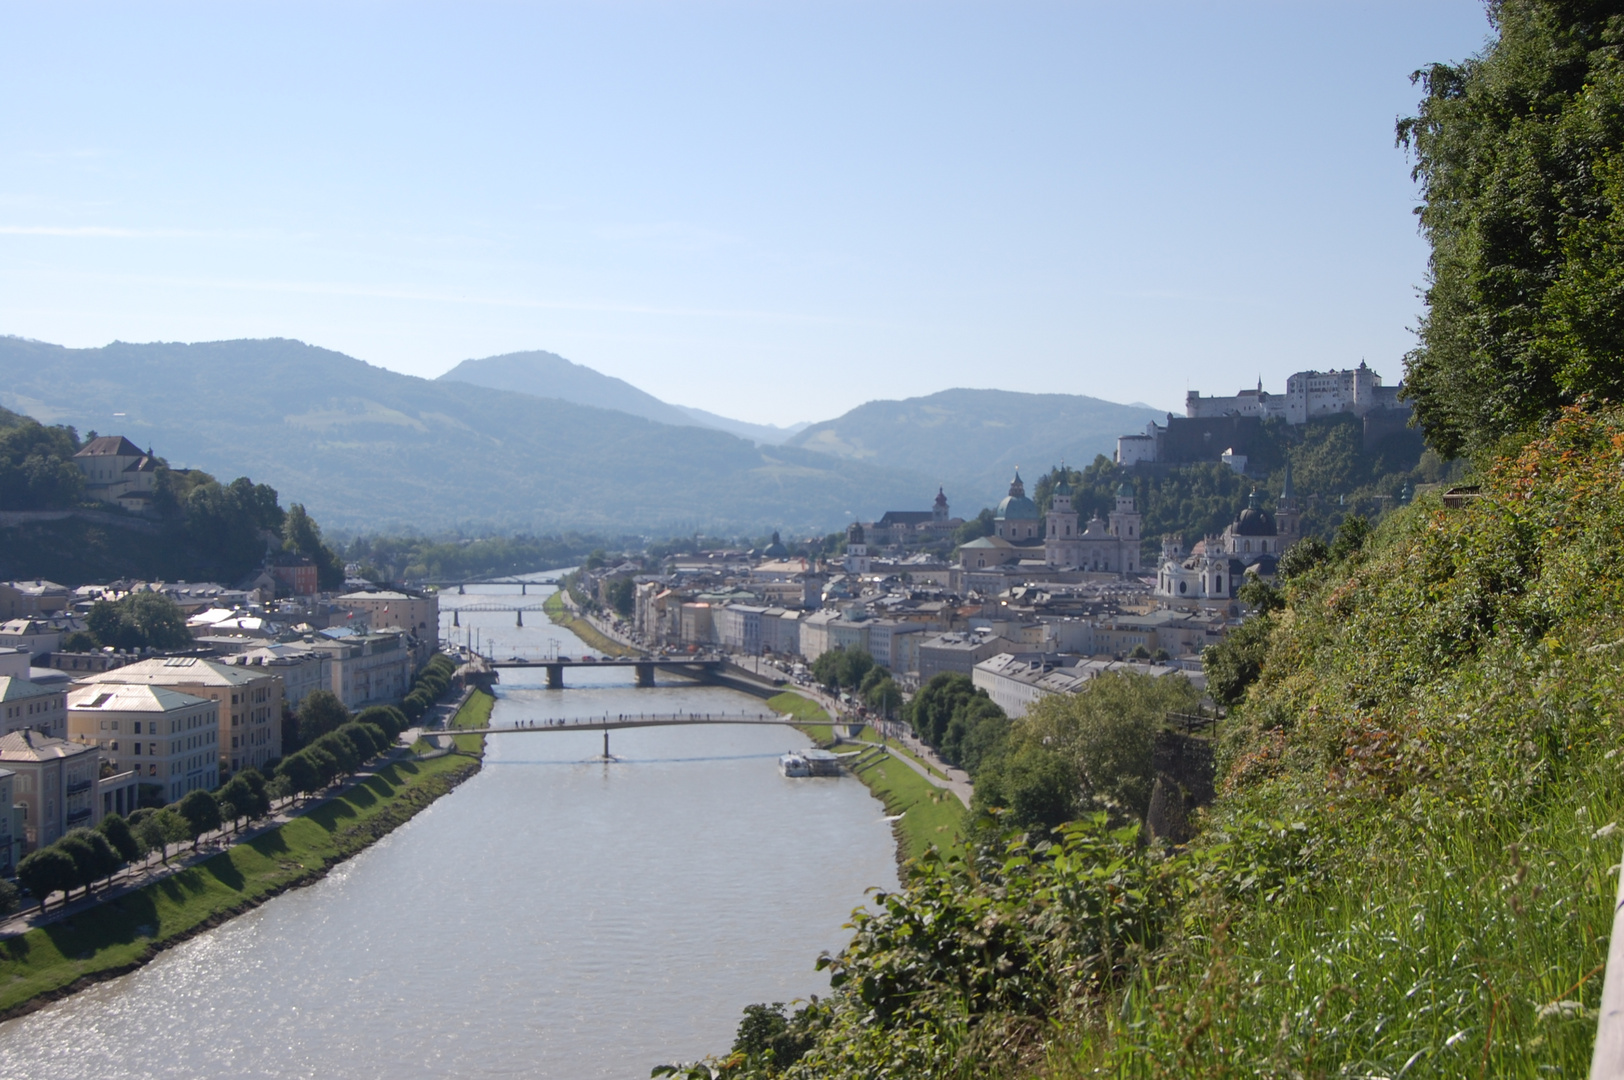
(432, 683)
(84, 857)
(855, 671)
(339, 752)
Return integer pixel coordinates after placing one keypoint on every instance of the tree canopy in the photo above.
(1517, 152)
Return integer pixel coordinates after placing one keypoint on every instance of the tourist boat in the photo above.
(794, 764)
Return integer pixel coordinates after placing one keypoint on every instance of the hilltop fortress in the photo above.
(1222, 428)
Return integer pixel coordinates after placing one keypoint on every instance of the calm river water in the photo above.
(553, 917)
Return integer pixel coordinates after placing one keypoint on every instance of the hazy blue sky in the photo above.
(772, 210)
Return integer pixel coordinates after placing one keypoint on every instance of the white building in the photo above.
(169, 739)
(367, 669)
(249, 700)
(25, 704)
(55, 784)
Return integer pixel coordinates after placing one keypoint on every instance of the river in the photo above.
(555, 916)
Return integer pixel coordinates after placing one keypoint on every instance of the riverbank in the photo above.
(930, 815)
(127, 931)
(581, 627)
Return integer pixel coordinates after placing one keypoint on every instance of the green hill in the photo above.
(370, 449)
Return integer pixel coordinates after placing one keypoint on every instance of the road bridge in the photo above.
(701, 667)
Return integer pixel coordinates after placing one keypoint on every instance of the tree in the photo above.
(201, 812)
(390, 720)
(301, 773)
(1236, 662)
(93, 857)
(320, 712)
(161, 828)
(301, 535)
(933, 706)
(882, 695)
(119, 834)
(341, 750)
(1518, 154)
(237, 800)
(48, 870)
(1302, 557)
(139, 620)
(8, 897)
(1091, 749)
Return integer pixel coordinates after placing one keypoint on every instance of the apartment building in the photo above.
(169, 739)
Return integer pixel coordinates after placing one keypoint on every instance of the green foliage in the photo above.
(118, 834)
(201, 812)
(1073, 753)
(622, 594)
(244, 796)
(320, 712)
(843, 668)
(302, 536)
(1234, 664)
(36, 465)
(1302, 557)
(961, 722)
(159, 828)
(93, 857)
(78, 641)
(9, 901)
(386, 718)
(1518, 155)
(139, 620)
(983, 524)
(341, 750)
(301, 773)
(942, 979)
(47, 870)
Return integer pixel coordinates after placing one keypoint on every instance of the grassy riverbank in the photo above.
(930, 815)
(122, 934)
(581, 628)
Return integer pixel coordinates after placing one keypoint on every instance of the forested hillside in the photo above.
(200, 529)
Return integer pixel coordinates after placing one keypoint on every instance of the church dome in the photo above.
(1254, 522)
(1017, 508)
(1125, 490)
(1063, 488)
(776, 549)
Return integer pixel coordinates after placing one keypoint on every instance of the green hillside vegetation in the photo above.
(373, 451)
(200, 529)
(1333, 474)
(972, 440)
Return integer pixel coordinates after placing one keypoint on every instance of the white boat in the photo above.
(794, 764)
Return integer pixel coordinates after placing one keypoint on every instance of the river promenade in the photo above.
(176, 858)
(919, 757)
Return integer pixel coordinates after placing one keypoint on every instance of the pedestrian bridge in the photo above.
(614, 721)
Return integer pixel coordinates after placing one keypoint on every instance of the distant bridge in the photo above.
(702, 667)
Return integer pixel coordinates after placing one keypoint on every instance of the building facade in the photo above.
(249, 700)
(55, 784)
(169, 739)
(25, 704)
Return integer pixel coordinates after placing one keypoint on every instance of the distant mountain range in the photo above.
(531, 441)
(369, 449)
(545, 374)
(973, 440)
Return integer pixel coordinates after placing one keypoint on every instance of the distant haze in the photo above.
(531, 441)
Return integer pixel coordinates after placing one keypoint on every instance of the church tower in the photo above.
(1287, 518)
(1127, 526)
(938, 511)
(1060, 546)
(856, 550)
